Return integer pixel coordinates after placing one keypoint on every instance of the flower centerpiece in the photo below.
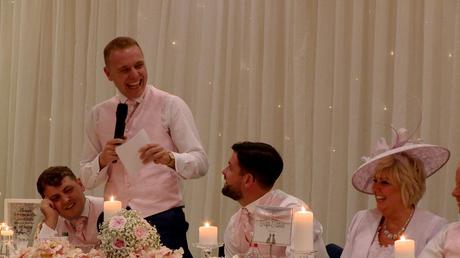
(127, 234)
(56, 247)
(50, 248)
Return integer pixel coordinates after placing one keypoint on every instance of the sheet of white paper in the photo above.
(128, 152)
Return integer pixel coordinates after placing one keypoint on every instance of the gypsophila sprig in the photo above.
(127, 233)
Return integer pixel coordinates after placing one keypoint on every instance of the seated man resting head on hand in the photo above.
(66, 209)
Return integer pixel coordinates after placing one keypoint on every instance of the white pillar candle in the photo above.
(207, 234)
(404, 248)
(302, 231)
(7, 232)
(111, 208)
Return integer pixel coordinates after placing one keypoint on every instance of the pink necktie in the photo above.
(132, 106)
(80, 226)
(246, 224)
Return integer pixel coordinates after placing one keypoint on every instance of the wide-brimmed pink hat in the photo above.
(433, 158)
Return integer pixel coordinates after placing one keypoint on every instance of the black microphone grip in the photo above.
(121, 114)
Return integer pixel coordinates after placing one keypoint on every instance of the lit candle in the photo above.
(207, 234)
(6, 231)
(111, 208)
(302, 231)
(404, 248)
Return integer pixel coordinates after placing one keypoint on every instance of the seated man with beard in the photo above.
(249, 177)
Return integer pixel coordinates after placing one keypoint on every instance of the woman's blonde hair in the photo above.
(407, 172)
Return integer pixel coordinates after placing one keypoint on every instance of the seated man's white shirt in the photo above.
(47, 232)
(92, 209)
(234, 239)
(446, 244)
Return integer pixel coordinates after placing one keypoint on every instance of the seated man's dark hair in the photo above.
(260, 160)
(53, 176)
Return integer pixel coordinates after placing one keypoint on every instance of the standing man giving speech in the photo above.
(175, 154)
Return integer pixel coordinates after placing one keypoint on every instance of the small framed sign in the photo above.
(272, 225)
(23, 216)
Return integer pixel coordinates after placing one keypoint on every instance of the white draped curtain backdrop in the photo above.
(321, 80)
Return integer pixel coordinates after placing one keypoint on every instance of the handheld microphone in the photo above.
(122, 112)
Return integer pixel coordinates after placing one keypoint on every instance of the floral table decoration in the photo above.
(126, 234)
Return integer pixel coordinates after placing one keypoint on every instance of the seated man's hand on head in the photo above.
(68, 198)
(50, 213)
(62, 193)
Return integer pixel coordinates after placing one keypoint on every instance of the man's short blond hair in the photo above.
(119, 43)
(407, 172)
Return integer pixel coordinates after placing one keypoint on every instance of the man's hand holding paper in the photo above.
(155, 153)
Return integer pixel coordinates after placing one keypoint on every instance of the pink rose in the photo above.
(140, 232)
(164, 250)
(151, 254)
(118, 243)
(117, 222)
(59, 249)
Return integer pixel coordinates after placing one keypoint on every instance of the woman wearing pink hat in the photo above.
(396, 177)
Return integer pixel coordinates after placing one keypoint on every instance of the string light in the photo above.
(392, 53)
(385, 108)
(450, 55)
(330, 107)
(244, 66)
(279, 105)
(356, 79)
(333, 149)
(50, 119)
(174, 42)
(210, 82)
(220, 134)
